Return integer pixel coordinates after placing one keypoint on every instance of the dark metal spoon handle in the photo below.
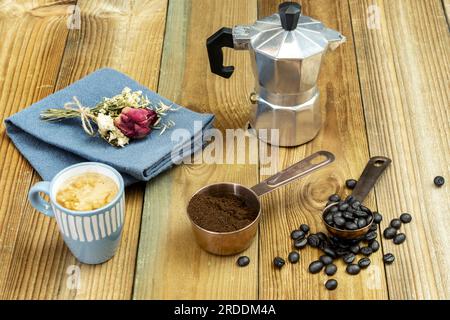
(374, 169)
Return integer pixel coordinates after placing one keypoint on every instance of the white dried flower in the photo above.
(110, 132)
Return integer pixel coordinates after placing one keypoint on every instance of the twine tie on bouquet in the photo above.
(85, 115)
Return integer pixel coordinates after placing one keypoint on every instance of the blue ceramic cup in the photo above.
(92, 236)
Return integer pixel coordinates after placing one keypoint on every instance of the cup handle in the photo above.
(37, 201)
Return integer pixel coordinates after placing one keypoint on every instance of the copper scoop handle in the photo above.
(300, 169)
(373, 170)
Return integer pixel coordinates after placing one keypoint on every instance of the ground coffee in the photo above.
(221, 213)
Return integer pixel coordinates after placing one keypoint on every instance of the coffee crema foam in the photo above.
(87, 191)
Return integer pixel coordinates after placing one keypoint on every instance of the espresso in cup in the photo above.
(87, 191)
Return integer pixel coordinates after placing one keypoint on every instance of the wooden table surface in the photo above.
(384, 92)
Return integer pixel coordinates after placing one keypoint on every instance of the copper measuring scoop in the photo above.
(373, 170)
(228, 243)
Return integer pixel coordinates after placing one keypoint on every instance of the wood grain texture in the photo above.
(127, 36)
(343, 133)
(170, 264)
(33, 37)
(404, 73)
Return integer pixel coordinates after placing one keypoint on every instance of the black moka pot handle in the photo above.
(214, 44)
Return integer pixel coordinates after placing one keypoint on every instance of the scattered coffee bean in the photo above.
(334, 198)
(353, 269)
(396, 223)
(349, 258)
(355, 249)
(405, 218)
(389, 233)
(400, 238)
(331, 284)
(313, 240)
(315, 266)
(297, 235)
(341, 252)
(351, 183)
(330, 269)
(367, 251)
(373, 227)
(364, 263)
(330, 252)
(377, 218)
(439, 181)
(278, 262)
(326, 260)
(304, 228)
(372, 235)
(374, 245)
(388, 258)
(300, 244)
(243, 261)
(322, 236)
(293, 257)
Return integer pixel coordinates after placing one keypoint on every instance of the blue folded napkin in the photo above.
(52, 146)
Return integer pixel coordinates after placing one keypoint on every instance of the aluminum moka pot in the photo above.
(287, 50)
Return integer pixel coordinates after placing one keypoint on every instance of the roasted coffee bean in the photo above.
(349, 258)
(405, 218)
(279, 262)
(330, 269)
(389, 233)
(339, 221)
(367, 251)
(334, 209)
(322, 236)
(353, 269)
(356, 205)
(373, 227)
(396, 223)
(355, 249)
(399, 238)
(329, 218)
(360, 214)
(351, 183)
(343, 207)
(326, 260)
(334, 198)
(297, 235)
(388, 258)
(315, 266)
(374, 245)
(340, 252)
(365, 209)
(364, 263)
(313, 240)
(439, 181)
(304, 228)
(361, 223)
(330, 252)
(348, 215)
(293, 257)
(300, 244)
(351, 226)
(349, 199)
(331, 284)
(243, 261)
(377, 218)
(372, 235)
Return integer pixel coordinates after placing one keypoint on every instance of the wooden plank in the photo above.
(127, 36)
(33, 37)
(170, 264)
(404, 72)
(343, 133)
